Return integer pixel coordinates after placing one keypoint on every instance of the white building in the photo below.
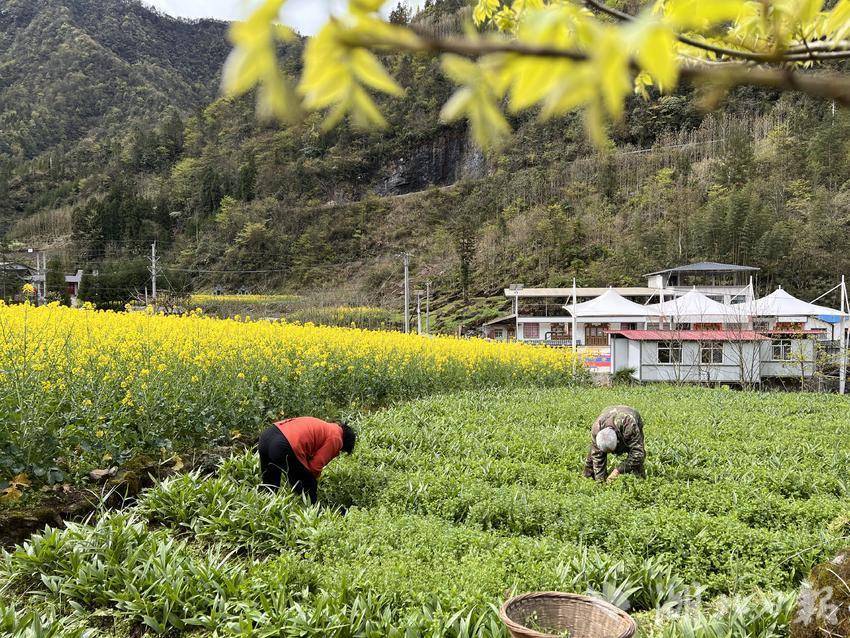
(710, 356)
(694, 310)
(668, 331)
(726, 283)
(541, 315)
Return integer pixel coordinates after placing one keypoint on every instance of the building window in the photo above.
(669, 352)
(628, 326)
(711, 353)
(499, 334)
(781, 349)
(761, 325)
(531, 330)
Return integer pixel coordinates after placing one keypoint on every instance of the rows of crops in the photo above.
(298, 309)
(367, 317)
(452, 501)
(253, 305)
(79, 388)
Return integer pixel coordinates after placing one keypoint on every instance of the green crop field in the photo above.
(452, 502)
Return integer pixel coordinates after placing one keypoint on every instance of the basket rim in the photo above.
(513, 625)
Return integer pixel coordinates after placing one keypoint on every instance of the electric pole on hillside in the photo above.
(842, 364)
(428, 307)
(419, 294)
(153, 271)
(41, 271)
(406, 257)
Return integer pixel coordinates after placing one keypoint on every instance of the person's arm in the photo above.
(600, 464)
(633, 438)
(588, 465)
(325, 454)
(597, 460)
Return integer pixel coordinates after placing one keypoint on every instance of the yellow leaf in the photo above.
(642, 81)
(700, 14)
(253, 61)
(594, 124)
(20, 480)
(458, 68)
(656, 54)
(572, 91)
(612, 65)
(365, 6)
(178, 464)
(371, 72)
(534, 79)
(484, 10)
(807, 10)
(505, 19)
(364, 113)
(10, 494)
(838, 22)
(456, 105)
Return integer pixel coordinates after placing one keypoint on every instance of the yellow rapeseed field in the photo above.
(82, 385)
(204, 298)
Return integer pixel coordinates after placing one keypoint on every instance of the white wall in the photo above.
(740, 362)
(620, 354)
(545, 327)
(802, 359)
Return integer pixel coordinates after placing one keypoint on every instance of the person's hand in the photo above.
(613, 475)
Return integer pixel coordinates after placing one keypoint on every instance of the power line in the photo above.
(196, 270)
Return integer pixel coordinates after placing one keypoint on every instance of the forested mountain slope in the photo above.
(70, 68)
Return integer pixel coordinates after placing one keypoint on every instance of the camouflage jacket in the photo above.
(628, 425)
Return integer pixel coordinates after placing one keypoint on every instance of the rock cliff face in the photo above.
(449, 157)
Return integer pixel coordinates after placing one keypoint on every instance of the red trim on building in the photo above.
(689, 335)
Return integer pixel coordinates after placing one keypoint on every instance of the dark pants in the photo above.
(277, 459)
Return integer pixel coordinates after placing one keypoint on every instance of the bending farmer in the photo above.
(300, 448)
(618, 430)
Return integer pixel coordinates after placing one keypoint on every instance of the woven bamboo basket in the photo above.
(582, 616)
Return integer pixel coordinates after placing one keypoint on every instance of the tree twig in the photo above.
(829, 85)
(803, 53)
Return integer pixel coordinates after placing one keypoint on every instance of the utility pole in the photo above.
(41, 270)
(406, 257)
(428, 307)
(153, 271)
(5, 270)
(842, 365)
(516, 288)
(419, 294)
(37, 277)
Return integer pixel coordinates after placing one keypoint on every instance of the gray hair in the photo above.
(606, 440)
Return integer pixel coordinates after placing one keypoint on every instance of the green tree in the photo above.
(57, 289)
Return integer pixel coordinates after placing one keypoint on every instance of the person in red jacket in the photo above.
(300, 448)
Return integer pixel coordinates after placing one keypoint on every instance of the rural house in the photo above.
(697, 323)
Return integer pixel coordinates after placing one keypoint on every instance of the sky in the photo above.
(306, 16)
